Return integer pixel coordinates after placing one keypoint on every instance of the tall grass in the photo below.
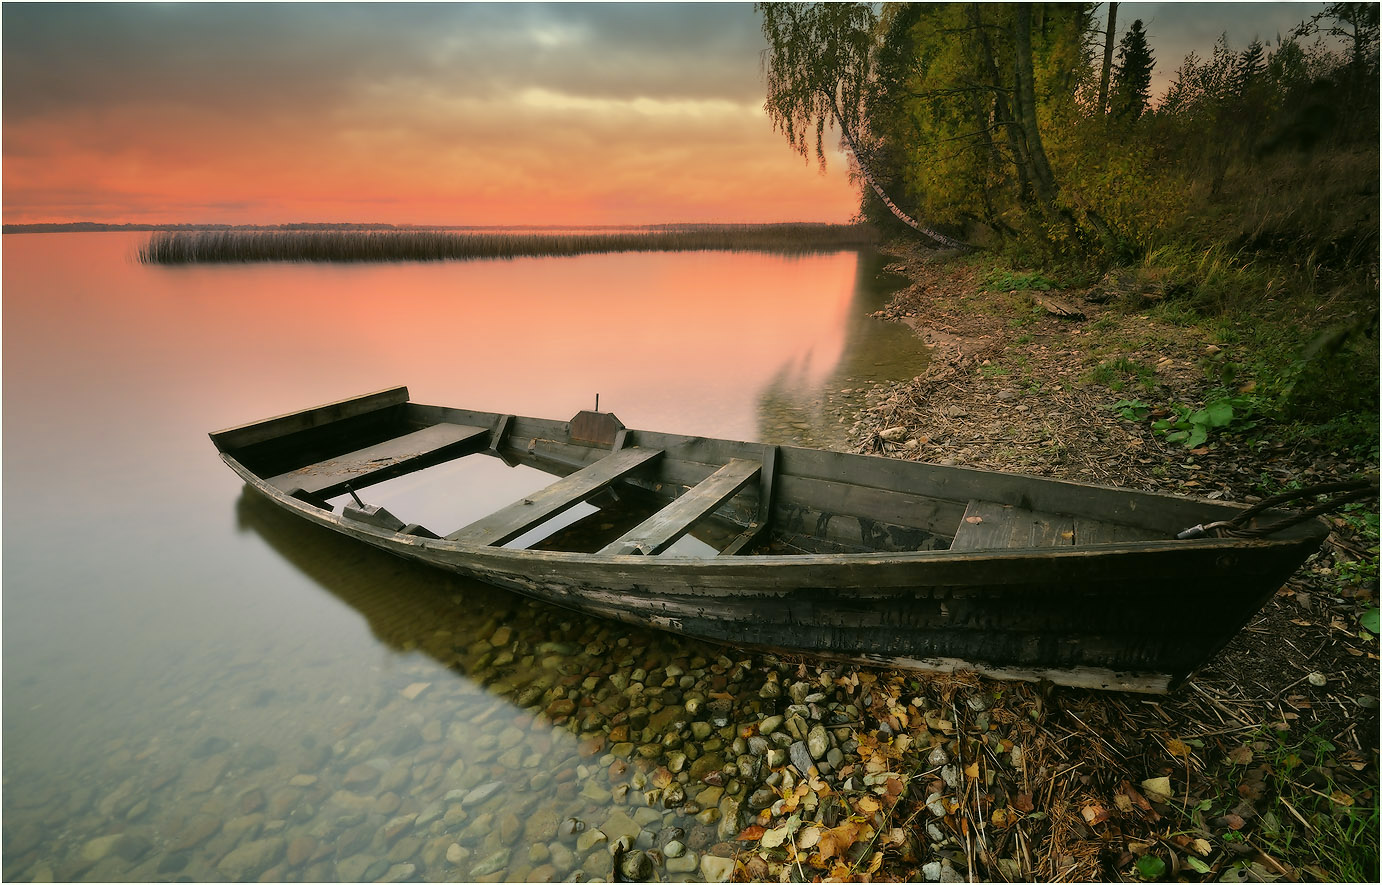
(217, 246)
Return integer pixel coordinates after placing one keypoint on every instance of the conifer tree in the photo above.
(1133, 73)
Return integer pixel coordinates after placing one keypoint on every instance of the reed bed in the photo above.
(220, 246)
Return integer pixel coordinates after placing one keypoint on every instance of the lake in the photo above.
(197, 687)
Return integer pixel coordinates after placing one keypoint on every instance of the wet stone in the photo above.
(801, 757)
(636, 866)
(492, 863)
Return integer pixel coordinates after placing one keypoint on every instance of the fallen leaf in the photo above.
(868, 805)
(1023, 802)
(1178, 747)
(1202, 846)
(974, 520)
(1158, 789)
(1000, 817)
(1122, 802)
(809, 837)
(1240, 755)
(1342, 798)
(972, 770)
(775, 837)
(1094, 813)
(750, 834)
(1232, 821)
(836, 840)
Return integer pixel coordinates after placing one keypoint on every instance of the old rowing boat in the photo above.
(855, 557)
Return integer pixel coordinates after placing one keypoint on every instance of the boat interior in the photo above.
(623, 492)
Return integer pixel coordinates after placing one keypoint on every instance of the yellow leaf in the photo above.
(1000, 817)
(1342, 798)
(875, 862)
(1178, 748)
(809, 838)
(868, 805)
(972, 770)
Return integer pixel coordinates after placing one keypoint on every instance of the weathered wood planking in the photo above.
(997, 601)
(294, 422)
(508, 523)
(381, 461)
(663, 528)
(990, 526)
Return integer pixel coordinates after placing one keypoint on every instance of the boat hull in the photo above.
(1129, 617)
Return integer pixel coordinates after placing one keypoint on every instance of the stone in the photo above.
(717, 869)
(801, 757)
(251, 858)
(589, 839)
(636, 866)
(481, 793)
(300, 850)
(361, 778)
(302, 780)
(618, 825)
(99, 847)
(200, 778)
(194, 832)
(457, 854)
(491, 864)
(415, 689)
(770, 725)
(817, 741)
(673, 849)
(686, 863)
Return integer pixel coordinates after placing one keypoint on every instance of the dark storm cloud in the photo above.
(60, 57)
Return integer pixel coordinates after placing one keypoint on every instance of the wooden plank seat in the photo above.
(381, 461)
(508, 523)
(988, 525)
(662, 529)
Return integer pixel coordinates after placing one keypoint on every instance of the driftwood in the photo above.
(1058, 306)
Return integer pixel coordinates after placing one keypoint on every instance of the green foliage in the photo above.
(1131, 409)
(1007, 281)
(1117, 373)
(1149, 866)
(1191, 427)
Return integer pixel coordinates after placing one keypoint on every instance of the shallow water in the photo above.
(198, 687)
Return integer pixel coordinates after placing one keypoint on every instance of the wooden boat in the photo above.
(854, 557)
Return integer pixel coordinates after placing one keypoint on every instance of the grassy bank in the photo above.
(213, 247)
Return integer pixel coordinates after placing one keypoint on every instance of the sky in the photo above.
(491, 114)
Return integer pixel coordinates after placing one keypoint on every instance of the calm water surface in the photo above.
(199, 688)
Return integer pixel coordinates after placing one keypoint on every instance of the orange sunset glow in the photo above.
(489, 114)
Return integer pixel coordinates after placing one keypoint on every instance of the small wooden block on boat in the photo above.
(372, 514)
(510, 522)
(988, 525)
(595, 427)
(328, 478)
(662, 529)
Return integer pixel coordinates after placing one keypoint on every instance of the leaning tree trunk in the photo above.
(1043, 179)
(895, 209)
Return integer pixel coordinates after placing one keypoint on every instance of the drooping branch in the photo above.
(818, 65)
